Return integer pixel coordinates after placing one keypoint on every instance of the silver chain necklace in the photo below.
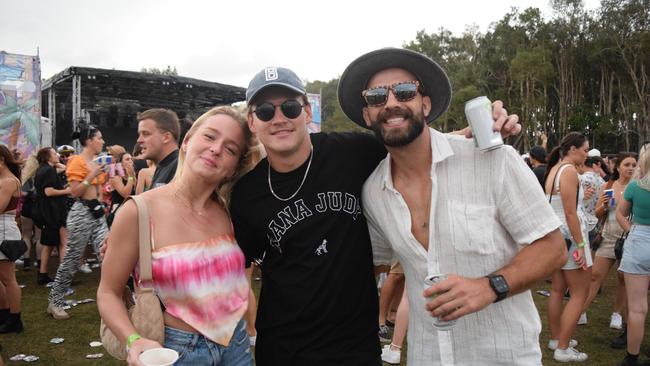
(311, 155)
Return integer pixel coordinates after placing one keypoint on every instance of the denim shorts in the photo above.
(636, 251)
(195, 349)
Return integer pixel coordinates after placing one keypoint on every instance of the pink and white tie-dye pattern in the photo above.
(204, 284)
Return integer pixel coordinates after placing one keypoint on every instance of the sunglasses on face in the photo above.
(403, 92)
(290, 108)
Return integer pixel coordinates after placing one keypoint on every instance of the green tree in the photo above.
(332, 117)
(533, 71)
(169, 71)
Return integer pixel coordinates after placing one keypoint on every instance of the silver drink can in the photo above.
(479, 116)
(429, 281)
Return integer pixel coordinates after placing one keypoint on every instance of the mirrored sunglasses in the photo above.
(403, 92)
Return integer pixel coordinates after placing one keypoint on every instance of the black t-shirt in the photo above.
(165, 170)
(318, 304)
(52, 209)
(540, 171)
(116, 197)
(139, 164)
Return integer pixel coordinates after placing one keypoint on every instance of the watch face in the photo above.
(500, 284)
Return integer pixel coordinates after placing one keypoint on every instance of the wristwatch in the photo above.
(499, 286)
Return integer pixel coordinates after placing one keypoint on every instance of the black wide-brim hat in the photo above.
(355, 79)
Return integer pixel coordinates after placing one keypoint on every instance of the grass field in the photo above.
(83, 327)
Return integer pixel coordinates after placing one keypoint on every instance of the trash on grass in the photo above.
(71, 302)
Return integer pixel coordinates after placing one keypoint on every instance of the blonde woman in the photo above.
(635, 264)
(197, 264)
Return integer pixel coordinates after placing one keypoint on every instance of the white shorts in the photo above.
(8, 230)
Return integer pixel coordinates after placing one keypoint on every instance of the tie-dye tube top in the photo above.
(204, 284)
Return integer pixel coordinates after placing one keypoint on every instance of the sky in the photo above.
(229, 41)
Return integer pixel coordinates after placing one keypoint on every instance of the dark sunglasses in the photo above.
(403, 92)
(290, 108)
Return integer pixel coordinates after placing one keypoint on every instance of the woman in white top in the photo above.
(565, 193)
(592, 184)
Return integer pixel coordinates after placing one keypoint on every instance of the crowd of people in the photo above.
(323, 215)
(596, 205)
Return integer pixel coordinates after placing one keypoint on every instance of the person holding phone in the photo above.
(86, 222)
(122, 179)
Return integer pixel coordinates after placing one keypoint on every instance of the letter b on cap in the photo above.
(271, 73)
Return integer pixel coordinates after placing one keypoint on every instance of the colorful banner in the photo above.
(20, 102)
(315, 102)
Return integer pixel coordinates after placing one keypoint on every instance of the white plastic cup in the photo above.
(158, 357)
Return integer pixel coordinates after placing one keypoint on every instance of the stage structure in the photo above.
(111, 100)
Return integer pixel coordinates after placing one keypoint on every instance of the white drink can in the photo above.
(479, 116)
(438, 323)
(103, 159)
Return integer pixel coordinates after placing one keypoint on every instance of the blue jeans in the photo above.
(636, 251)
(195, 349)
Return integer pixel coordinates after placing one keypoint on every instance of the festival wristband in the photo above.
(132, 338)
(581, 244)
(130, 179)
(85, 183)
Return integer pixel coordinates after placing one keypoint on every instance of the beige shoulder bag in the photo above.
(145, 314)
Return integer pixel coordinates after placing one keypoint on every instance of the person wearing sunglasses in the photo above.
(438, 205)
(298, 214)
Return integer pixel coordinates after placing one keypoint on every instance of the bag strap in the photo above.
(556, 183)
(144, 240)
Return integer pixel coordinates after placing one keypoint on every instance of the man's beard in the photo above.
(394, 138)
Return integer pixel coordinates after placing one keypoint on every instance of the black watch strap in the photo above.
(499, 286)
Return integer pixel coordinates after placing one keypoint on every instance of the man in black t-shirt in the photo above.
(538, 160)
(158, 135)
(299, 213)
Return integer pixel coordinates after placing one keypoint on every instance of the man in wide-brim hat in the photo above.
(440, 206)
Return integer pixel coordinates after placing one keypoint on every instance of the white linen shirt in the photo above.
(483, 205)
